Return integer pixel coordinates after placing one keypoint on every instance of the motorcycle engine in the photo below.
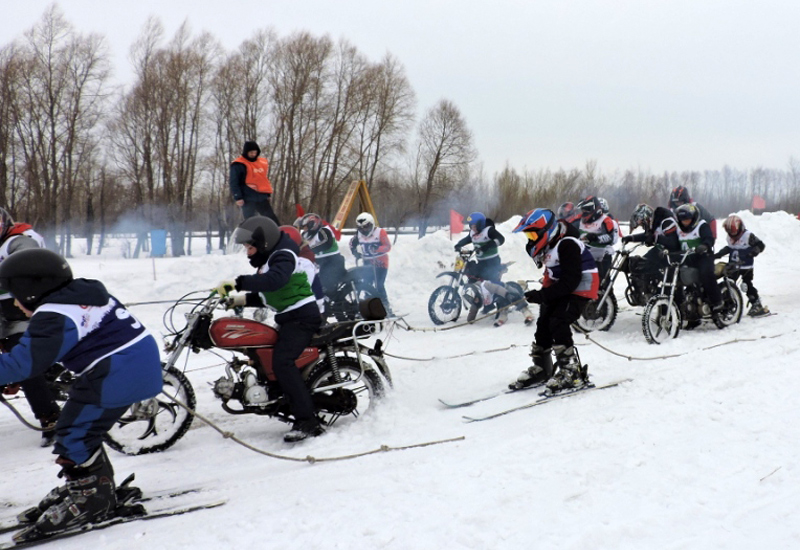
(254, 393)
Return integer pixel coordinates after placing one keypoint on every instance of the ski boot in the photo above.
(756, 309)
(48, 430)
(88, 496)
(570, 375)
(539, 373)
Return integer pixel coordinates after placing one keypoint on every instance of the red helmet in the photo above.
(733, 226)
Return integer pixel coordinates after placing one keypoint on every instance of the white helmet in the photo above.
(365, 223)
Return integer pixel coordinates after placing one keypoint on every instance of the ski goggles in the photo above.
(533, 236)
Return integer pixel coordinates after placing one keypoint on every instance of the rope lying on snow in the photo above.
(310, 459)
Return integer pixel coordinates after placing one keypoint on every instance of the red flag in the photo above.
(336, 233)
(300, 210)
(759, 203)
(456, 223)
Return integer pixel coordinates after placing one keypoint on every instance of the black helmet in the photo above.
(309, 226)
(258, 231)
(687, 212)
(30, 274)
(590, 209)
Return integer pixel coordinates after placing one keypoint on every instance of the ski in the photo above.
(125, 514)
(546, 399)
(458, 405)
(126, 494)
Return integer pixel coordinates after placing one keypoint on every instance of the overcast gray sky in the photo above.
(657, 85)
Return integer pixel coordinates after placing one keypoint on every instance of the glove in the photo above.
(701, 249)
(649, 239)
(457, 248)
(592, 237)
(755, 253)
(533, 296)
(235, 300)
(225, 287)
(627, 238)
(718, 255)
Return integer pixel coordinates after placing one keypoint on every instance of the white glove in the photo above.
(235, 300)
(225, 287)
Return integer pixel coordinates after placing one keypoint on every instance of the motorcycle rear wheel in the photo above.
(444, 305)
(352, 400)
(343, 305)
(733, 305)
(155, 424)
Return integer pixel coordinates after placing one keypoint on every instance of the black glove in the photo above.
(702, 249)
(755, 253)
(592, 237)
(718, 255)
(533, 296)
(457, 248)
(649, 239)
(627, 238)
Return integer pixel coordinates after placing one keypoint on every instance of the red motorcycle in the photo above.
(344, 370)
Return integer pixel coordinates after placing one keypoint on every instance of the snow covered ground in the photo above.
(697, 451)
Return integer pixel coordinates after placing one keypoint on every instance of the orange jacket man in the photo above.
(249, 183)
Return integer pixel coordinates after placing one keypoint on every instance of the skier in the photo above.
(116, 362)
(16, 236)
(660, 231)
(680, 196)
(326, 250)
(283, 282)
(599, 232)
(486, 271)
(568, 213)
(570, 282)
(372, 244)
(743, 246)
(695, 234)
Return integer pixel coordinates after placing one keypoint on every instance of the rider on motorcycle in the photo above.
(282, 281)
(695, 234)
(599, 231)
(660, 231)
(486, 240)
(323, 243)
(743, 246)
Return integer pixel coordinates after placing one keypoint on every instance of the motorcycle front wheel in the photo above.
(602, 318)
(444, 305)
(353, 399)
(155, 424)
(660, 321)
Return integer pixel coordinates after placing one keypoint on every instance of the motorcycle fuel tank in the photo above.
(235, 332)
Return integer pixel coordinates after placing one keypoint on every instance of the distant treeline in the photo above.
(79, 155)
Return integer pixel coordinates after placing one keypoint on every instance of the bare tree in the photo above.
(444, 153)
(57, 107)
